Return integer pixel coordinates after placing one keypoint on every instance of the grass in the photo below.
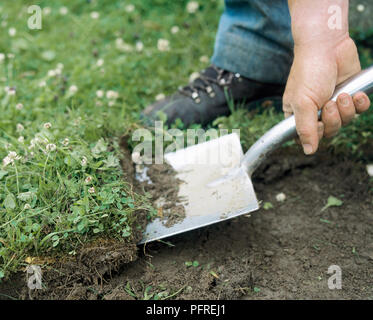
(69, 90)
(150, 292)
(63, 184)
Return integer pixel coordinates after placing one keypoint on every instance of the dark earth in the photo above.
(283, 252)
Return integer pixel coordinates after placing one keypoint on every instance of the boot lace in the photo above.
(204, 83)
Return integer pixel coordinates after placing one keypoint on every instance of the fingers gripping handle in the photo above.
(285, 130)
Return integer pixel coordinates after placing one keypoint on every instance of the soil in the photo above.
(163, 189)
(280, 253)
(164, 192)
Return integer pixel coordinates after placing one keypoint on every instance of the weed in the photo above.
(267, 205)
(332, 202)
(192, 263)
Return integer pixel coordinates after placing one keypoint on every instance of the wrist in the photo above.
(319, 22)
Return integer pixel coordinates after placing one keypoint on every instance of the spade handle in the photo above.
(286, 130)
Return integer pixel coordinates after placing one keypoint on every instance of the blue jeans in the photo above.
(254, 39)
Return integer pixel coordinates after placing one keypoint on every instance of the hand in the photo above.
(312, 80)
(323, 58)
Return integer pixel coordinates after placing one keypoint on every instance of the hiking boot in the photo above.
(206, 97)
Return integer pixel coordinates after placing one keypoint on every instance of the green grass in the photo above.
(67, 186)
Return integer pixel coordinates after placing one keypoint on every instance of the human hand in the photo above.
(320, 63)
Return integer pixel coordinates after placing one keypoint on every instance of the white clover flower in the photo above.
(112, 95)
(84, 162)
(160, 96)
(360, 7)
(47, 10)
(73, 89)
(193, 76)
(51, 147)
(64, 11)
(12, 32)
(13, 155)
(60, 66)
(47, 125)
(11, 91)
(88, 180)
(118, 42)
(163, 45)
(100, 62)
(204, 59)
(129, 8)
(10, 158)
(33, 143)
(51, 73)
(370, 170)
(95, 15)
(139, 46)
(27, 207)
(66, 142)
(21, 139)
(175, 29)
(19, 106)
(192, 6)
(20, 127)
(10, 55)
(6, 161)
(122, 46)
(2, 57)
(281, 197)
(100, 93)
(42, 84)
(91, 190)
(111, 103)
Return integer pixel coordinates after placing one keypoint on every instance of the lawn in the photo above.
(69, 91)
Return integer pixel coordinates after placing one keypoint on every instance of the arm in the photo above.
(324, 56)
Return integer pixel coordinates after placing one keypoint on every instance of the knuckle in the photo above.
(286, 101)
(304, 101)
(304, 132)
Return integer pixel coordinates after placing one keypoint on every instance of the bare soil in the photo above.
(279, 253)
(164, 191)
(163, 187)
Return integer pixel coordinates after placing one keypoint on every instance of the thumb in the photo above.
(306, 120)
